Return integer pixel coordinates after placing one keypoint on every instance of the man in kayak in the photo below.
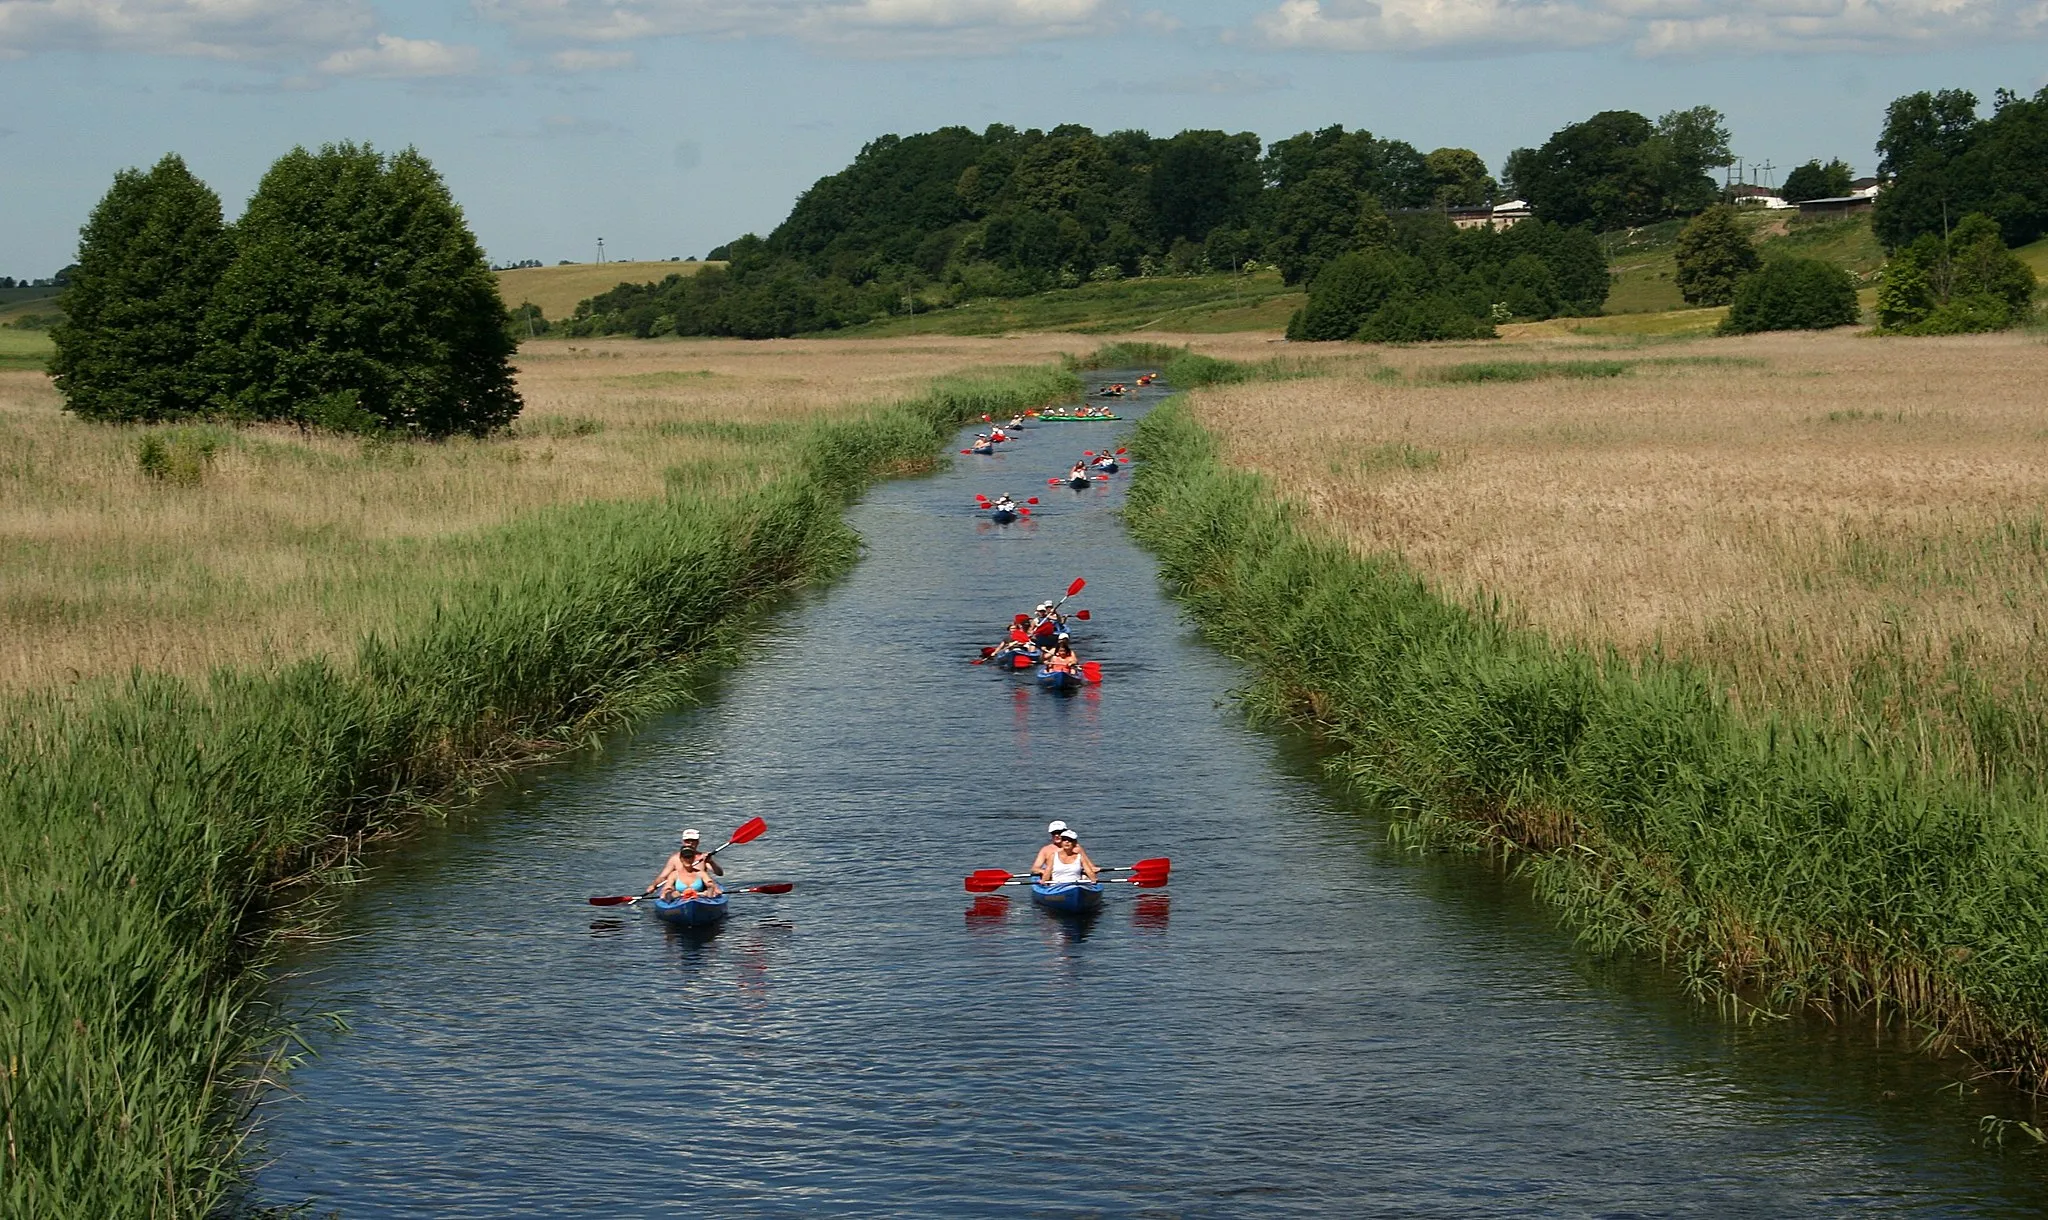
(1043, 861)
(687, 869)
(1069, 864)
(1049, 624)
(1004, 504)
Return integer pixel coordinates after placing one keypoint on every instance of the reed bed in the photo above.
(1779, 855)
(147, 824)
(1842, 525)
(262, 546)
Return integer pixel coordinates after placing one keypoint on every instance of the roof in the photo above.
(1805, 203)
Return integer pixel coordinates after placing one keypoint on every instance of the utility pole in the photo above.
(600, 251)
(1767, 167)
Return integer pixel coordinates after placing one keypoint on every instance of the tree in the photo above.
(1459, 178)
(1970, 282)
(1203, 181)
(360, 300)
(1713, 254)
(1686, 145)
(1348, 291)
(1816, 181)
(1617, 169)
(148, 259)
(1792, 294)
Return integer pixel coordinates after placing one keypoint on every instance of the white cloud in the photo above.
(874, 26)
(1651, 27)
(241, 30)
(583, 60)
(391, 56)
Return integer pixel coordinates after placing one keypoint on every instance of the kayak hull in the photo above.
(1073, 898)
(1081, 419)
(1107, 467)
(692, 912)
(1003, 516)
(1079, 484)
(983, 450)
(1056, 679)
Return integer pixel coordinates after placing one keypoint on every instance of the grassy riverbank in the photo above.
(150, 819)
(1772, 852)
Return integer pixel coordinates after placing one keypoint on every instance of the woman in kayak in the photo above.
(1061, 660)
(1043, 861)
(1069, 864)
(687, 874)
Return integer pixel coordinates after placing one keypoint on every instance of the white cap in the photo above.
(1045, 605)
(691, 836)
(1068, 833)
(1055, 827)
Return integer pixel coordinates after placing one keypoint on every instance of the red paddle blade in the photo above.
(981, 885)
(751, 829)
(991, 874)
(984, 419)
(1023, 512)
(772, 887)
(615, 900)
(1091, 671)
(1161, 863)
(1123, 451)
(1049, 482)
(1149, 881)
(1076, 587)
(1023, 662)
(1082, 615)
(988, 652)
(1022, 618)
(1087, 453)
(1031, 499)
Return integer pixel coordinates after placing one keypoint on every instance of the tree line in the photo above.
(923, 221)
(350, 295)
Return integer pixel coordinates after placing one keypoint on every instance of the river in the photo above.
(1307, 1021)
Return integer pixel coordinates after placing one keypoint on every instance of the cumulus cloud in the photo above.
(239, 30)
(393, 57)
(880, 26)
(1652, 27)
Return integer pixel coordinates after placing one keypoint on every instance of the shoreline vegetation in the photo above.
(156, 819)
(1779, 856)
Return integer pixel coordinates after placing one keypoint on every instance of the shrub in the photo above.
(1968, 282)
(148, 260)
(1347, 292)
(1792, 294)
(1713, 255)
(1422, 320)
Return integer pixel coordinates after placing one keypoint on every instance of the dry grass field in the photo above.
(557, 289)
(1850, 523)
(275, 545)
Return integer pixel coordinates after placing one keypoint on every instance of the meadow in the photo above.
(251, 546)
(557, 289)
(1830, 522)
(1159, 305)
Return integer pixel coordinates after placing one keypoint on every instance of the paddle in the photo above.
(766, 887)
(1082, 615)
(749, 830)
(1146, 874)
(1091, 671)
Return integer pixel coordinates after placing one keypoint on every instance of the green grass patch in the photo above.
(25, 349)
(1523, 370)
(1205, 304)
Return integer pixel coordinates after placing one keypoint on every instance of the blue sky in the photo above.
(668, 126)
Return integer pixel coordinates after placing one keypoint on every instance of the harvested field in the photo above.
(262, 543)
(1833, 522)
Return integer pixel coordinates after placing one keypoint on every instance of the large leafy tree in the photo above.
(1816, 181)
(360, 299)
(1458, 178)
(148, 260)
(1203, 181)
(1618, 169)
(1713, 255)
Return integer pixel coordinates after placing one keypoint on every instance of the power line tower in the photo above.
(600, 251)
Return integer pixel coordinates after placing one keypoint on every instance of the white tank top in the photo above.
(1065, 873)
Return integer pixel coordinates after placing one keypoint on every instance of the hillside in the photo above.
(1203, 304)
(557, 289)
(20, 302)
(1645, 260)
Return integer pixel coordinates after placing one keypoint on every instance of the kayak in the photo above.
(984, 450)
(691, 912)
(1079, 482)
(1011, 657)
(1081, 419)
(1073, 898)
(1003, 516)
(1058, 679)
(1106, 467)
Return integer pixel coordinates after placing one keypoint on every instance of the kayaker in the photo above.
(1004, 504)
(1061, 660)
(685, 873)
(1041, 867)
(691, 839)
(1069, 863)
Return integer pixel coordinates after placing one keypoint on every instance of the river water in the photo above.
(1306, 1022)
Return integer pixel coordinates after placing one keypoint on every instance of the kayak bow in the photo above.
(691, 912)
(1072, 898)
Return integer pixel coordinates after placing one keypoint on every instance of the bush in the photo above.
(1422, 320)
(1968, 282)
(1713, 255)
(1347, 292)
(148, 260)
(1792, 294)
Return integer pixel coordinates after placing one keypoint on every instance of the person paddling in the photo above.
(1061, 660)
(687, 873)
(1069, 864)
(1043, 862)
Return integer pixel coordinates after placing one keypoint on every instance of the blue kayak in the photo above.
(1003, 516)
(984, 450)
(1106, 467)
(1073, 898)
(691, 912)
(1079, 482)
(1058, 679)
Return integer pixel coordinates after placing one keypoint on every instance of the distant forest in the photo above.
(924, 221)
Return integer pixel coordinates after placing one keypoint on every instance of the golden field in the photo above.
(279, 544)
(557, 290)
(1851, 524)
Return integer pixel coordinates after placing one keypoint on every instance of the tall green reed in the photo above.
(1777, 860)
(144, 835)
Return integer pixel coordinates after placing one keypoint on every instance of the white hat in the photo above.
(1055, 827)
(1068, 833)
(691, 836)
(1045, 605)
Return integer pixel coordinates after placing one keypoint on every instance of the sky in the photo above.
(667, 127)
